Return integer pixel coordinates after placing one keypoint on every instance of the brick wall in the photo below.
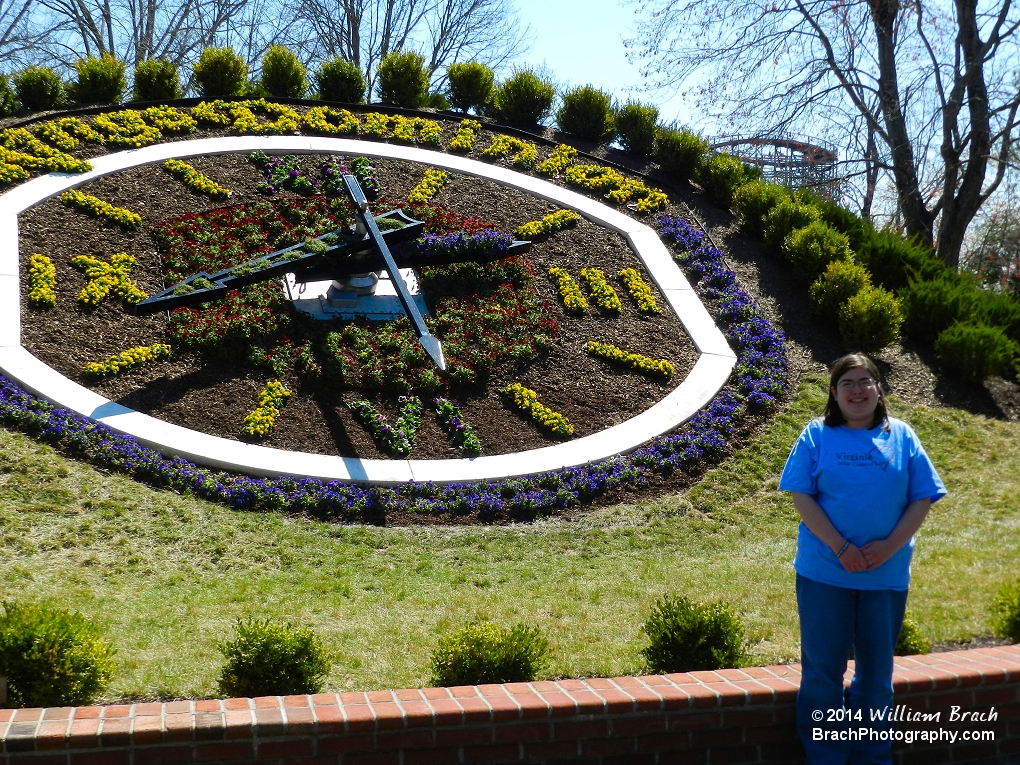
(729, 716)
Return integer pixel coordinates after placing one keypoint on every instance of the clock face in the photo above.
(502, 322)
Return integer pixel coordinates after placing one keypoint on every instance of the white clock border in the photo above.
(715, 362)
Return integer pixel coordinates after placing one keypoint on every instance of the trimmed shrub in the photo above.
(843, 220)
(437, 100)
(870, 320)
(587, 113)
(721, 174)
(471, 85)
(9, 103)
(911, 640)
(39, 88)
(786, 217)
(157, 80)
(894, 261)
(340, 80)
(680, 152)
(269, 659)
(283, 75)
(487, 653)
(51, 657)
(812, 248)
(841, 280)
(101, 80)
(929, 307)
(636, 126)
(220, 72)
(403, 80)
(523, 98)
(754, 200)
(975, 351)
(998, 310)
(685, 636)
(1006, 612)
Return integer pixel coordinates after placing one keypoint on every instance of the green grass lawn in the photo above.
(166, 576)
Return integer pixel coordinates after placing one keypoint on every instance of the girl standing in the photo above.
(862, 485)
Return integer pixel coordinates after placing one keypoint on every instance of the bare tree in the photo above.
(364, 31)
(135, 30)
(18, 35)
(922, 91)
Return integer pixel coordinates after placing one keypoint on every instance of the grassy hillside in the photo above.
(167, 575)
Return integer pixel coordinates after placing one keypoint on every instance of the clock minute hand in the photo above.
(429, 342)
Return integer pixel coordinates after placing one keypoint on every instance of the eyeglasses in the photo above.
(866, 383)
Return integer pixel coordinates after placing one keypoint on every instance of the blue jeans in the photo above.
(832, 620)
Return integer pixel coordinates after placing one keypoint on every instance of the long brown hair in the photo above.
(833, 416)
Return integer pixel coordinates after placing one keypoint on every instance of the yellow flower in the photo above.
(430, 185)
(132, 357)
(558, 161)
(466, 135)
(194, 180)
(636, 361)
(605, 296)
(42, 279)
(527, 401)
(325, 119)
(524, 152)
(550, 223)
(640, 291)
(261, 421)
(573, 300)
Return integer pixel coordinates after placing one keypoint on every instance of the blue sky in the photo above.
(581, 41)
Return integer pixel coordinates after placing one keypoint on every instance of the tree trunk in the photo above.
(917, 218)
(961, 196)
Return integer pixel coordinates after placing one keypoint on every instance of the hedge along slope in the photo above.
(974, 333)
(762, 379)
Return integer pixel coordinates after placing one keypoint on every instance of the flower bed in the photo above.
(397, 440)
(453, 425)
(559, 159)
(759, 380)
(329, 121)
(550, 224)
(635, 361)
(602, 293)
(527, 401)
(97, 207)
(262, 420)
(524, 152)
(618, 188)
(42, 281)
(194, 180)
(640, 291)
(573, 298)
(126, 129)
(430, 185)
(105, 278)
(524, 503)
(129, 359)
(467, 134)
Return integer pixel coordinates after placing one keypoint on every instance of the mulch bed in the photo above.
(213, 396)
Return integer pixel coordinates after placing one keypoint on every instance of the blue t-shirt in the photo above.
(863, 480)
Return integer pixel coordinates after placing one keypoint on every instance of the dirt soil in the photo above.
(213, 396)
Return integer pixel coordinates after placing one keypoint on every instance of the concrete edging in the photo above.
(708, 376)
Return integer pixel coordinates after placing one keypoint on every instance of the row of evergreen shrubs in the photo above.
(52, 657)
(875, 283)
(219, 72)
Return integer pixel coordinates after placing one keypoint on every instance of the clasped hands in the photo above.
(871, 555)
